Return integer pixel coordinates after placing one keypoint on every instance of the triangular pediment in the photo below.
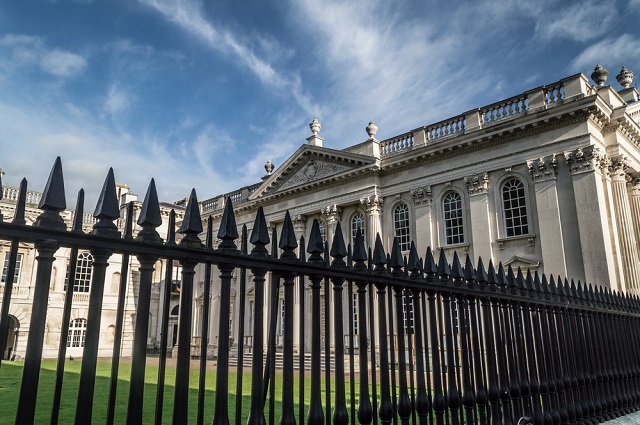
(310, 165)
(524, 263)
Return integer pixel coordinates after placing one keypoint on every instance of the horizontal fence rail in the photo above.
(435, 341)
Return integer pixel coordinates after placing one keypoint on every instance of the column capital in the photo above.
(617, 168)
(477, 184)
(421, 196)
(299, 224)
(543, 168)
(372, 203)
(633, 184)
(585, 159)
(331, 213)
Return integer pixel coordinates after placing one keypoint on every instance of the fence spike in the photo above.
(359, 251)
(469, 272)
(128, 223)
(288, 241)
(500, 276)
(259, 234)
(396, 262)
(302, 253)
(529, 281)
(379, 257)
(150, 217)
(228, 230)
(481, 272)
(79, 212)
(316, 245)
(208, 242)
(536, 282)
(338, 249)
(171, 228)
(520, 283)
(430, 267)
(511, 278)
(443, 265)
(53, 197)
(107, 206)
(414, 262)
(492, 278)
(456, 271)
(18, 215)
(191, 224)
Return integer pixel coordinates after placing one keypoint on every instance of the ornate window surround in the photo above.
(499, 203)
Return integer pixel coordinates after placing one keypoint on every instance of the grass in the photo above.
(11, 375)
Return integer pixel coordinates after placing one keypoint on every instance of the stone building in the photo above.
(548, 180)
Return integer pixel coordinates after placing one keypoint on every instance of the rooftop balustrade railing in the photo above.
(487, 345)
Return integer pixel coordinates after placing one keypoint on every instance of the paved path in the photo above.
(632, 419)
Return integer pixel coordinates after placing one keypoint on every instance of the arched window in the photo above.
(514, 208)
(77, 330)
(83, 273)
(401, 226)
(357, 223)
(453, 224)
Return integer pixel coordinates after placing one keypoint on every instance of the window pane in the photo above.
(401, 226)
(515, 211)
(453, 224)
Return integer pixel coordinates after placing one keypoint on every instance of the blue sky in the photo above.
(202, 93)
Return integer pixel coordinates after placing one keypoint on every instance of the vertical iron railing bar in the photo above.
(426, 354)
(551, 367)
(301, 335)
(403, 403)
(588, 405)
(327, 338)
(117, 339)
(372, 353)
(164, 337)
(618, 364)
(270, 363)
(392, 353)
(509, 308)
(204, 329)
(478, 285)
(530, 350)
(560, 365)
(490, 350)
(365, 409)
(439, 403)
(386, 405)
(521, 358)
(410, 353)
(420, 406)
(241, 318)
(316, 249)
(468, 399)
(352, 366)
(64, 335)
(6, 296)
(542, 365)
(600, 352)
(576, 337)
(453, 397)
(498, 333)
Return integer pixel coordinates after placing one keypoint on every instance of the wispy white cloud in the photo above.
(610, 52)
(118, 100)
(581, 21)
(18, 50)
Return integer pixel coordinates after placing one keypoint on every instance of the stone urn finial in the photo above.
(315, 126)
(269, 167)
(599, 75)
(372, 129)
(625, 78)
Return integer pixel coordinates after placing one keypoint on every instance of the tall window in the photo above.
(5, 268)
(453, 227)
(357, 223)
(83, 273)
(354, 302)
(514, 208)
(77, 330)
(401, 226)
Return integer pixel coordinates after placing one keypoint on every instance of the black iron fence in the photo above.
(483, 345)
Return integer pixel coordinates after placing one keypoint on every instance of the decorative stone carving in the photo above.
(584, 159)
(633, 184)
(269, 167)
(477, 183)
(372, 129)
(421, 196)
(372, 203)
(625, 78)
(617, 169)
(599, 75)
(313, 170)
(299, 223)
(331, 213)
(315, 126)
(543, 168)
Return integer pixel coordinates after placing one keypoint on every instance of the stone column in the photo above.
(373, 208)
(591, 215)
(423, 218)
(300, 227)
(634, 201)
(332, 214)
(624, 224)
(480, 225)
(543, 171)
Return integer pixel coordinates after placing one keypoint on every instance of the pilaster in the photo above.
(299, 226)
(633, 188)
(331, 214)
(373, 209)
(591, 213)
(480, 228)
(543, 172)
(423, 210)
(624, 222)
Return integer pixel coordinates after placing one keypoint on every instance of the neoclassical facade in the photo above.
(548, 180)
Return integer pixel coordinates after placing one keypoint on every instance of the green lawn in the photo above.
(11, 374)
